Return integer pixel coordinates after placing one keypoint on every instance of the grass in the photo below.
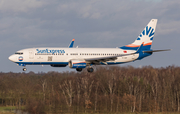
(4, 112)
(7, 110)
(126, 113)
(134, 113)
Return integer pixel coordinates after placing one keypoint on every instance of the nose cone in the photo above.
(12, 58)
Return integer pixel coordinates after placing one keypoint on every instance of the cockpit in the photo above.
(19, 53)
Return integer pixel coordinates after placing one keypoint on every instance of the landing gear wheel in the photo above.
(24, 69)
(90, 69)
(79, 69)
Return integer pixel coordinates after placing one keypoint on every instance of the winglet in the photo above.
(71, 44)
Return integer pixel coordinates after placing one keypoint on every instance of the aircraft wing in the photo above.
(97, 60)
(109, 58)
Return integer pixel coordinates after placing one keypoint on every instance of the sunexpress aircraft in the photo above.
(80, 58)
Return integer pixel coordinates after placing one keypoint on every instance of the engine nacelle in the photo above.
(77, 64)
(58, 65)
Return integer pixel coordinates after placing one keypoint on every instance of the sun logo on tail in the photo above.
(148, 32)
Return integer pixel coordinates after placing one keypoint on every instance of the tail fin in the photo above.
(146, 36)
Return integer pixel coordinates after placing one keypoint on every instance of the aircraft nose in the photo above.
(12, 58)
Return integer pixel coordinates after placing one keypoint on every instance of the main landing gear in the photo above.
(89, 69)
(79, 69)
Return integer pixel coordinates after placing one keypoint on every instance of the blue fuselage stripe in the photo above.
(43, 63)
(61, 63)
(148, 47)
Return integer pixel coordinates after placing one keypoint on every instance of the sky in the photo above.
(92, 23)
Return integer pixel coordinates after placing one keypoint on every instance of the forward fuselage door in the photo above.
(31, 54)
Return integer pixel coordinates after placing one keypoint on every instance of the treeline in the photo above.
(107, 90)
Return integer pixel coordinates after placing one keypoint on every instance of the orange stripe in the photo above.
(150, 43)
(133, 45)
(73, 40)
(79, 62)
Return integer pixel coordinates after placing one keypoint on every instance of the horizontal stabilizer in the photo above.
(156, 51)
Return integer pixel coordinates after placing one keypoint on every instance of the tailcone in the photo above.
(143, 55)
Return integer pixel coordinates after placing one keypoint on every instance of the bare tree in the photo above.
(87, 87)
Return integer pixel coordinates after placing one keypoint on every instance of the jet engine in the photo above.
(77, 64)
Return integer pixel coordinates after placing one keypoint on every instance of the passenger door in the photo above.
(31, 54)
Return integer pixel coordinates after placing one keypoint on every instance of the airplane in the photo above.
(81, 58)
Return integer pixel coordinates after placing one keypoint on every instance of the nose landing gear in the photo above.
(24, 65)
(24, 69)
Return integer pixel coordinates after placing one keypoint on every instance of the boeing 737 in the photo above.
(80, 58)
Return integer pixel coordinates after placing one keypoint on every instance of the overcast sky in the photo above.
(93, 23)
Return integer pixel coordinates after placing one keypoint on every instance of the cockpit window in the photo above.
(19, 53)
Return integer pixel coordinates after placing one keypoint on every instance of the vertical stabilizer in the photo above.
(146, 36)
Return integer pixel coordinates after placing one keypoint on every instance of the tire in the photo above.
(90, 69)
(24, 69)
(79, 69)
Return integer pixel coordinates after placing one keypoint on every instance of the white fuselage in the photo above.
(50, 56)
